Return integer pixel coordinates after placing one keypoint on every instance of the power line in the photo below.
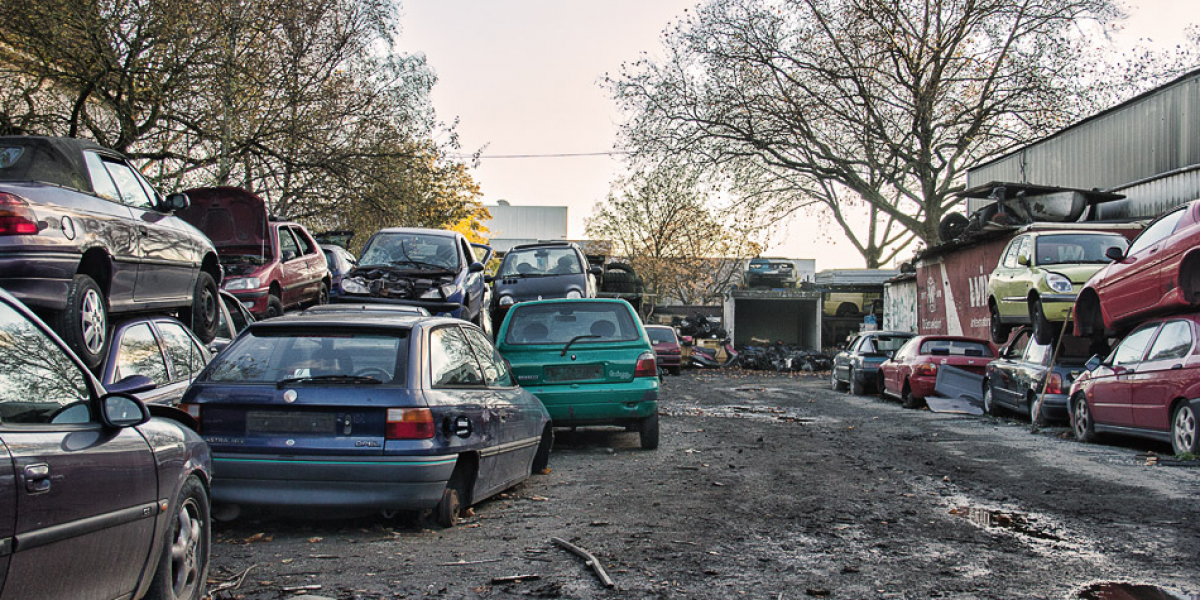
(559, 155)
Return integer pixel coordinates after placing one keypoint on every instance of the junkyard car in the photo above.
(588, 360)
(912, 371)
(858, 365)
(1147, 387)
(340, 261)
(1016, 379)
(153, 358)
(430, 268)
(768, 272)
(83, 235)
(269, 265)
(366, 411)
(542, 271)
(1159, 273)
(667, 350)
(1039, 275)
(91, 474)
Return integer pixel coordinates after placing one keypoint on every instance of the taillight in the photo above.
(16, 218)
(191, 409)
(409, 424)
(1055, 385)
(927, 369)
(646, 367)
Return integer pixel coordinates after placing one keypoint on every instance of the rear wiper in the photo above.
(576, 339)
(326, 379)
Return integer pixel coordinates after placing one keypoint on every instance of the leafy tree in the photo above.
(869, 110)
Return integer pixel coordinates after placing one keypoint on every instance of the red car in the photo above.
(912, 371)
(1146, 387)
(1159, 273)
(666, 347)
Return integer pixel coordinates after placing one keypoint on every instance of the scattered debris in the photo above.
(516, 578)
(231, 584)
(468, 562)
(589, 560)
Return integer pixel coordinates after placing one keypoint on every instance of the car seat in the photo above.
(603, 329)
(535, 332)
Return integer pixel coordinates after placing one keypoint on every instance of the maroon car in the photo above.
(912, 372)
(1158, 274)
(666, 347)
(1146, 387)
(269, 265)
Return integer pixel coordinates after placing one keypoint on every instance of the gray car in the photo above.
(542, 271)
(858, 365)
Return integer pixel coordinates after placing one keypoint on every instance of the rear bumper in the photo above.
(581, 404)
(393, 482)
(39, 279)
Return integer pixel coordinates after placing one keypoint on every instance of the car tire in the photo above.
(323, 294)
(857, 387)
(204, 315)
(847, 309)
(648, 432)
(1043, 328)
(274, 307)
(999, 331)
(1035, 414)
(182, 572)
(1082, 424)
(1185, 428)
(541, 458)
(989, 401)
(83, 324)
(447, 511)
(908, 400)
(834, 384)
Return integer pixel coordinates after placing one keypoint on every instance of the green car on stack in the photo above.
(588, 360)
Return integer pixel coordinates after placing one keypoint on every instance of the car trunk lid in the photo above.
(546, 364)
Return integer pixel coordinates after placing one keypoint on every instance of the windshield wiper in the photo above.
(576, 339)
(418, 263)
(326, 379)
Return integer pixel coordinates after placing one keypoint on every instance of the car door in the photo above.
(86, 496)
(111, 223)
(841, 361)
(1161, 377)
(518, 413)
(293, 266)
(185, 358)
(459, 396)
(315, 267)
(1130, 283)
(1002, 277)
(1112, 393)
(136, 351)
(1006, 372)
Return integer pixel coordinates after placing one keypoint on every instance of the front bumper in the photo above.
(390, 482)
(255, 301)
(1057, 306)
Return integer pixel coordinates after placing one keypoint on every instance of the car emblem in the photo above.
(289, 396)
(290, 443)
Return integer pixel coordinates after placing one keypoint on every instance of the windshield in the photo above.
(885, 343)
(274, 356)
(540, 261)
(559, 323)
(1076, 248)
(415, 250)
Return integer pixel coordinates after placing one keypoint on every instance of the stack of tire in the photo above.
(620, 279)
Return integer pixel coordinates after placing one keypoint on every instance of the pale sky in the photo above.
(523, 78)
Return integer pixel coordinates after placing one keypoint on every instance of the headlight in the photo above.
(242, 283)
(354, 286)
(574, 294)
(506, 301)
(1058, 283)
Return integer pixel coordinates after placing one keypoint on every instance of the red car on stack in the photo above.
(911, 373)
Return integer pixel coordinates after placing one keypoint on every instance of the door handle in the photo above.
(37, 478)
(1176, 367)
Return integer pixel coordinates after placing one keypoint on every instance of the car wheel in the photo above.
(274, 307)
(182, 571)
(446, 512)
(1081, 419)
(648, 432)
(1043, 329)
(836, 385)
(989, 403)
(847, 309)
(856, 387)
(541, 459)
(204, 314)
(998, 330)
(83, 324)
(323, 295)
(1185, 434)
(907, 398)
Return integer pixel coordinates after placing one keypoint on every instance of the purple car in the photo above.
(102, 496)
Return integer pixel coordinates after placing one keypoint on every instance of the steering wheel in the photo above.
(374, 372)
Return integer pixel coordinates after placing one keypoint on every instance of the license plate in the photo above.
(574, 372)
(273, 422)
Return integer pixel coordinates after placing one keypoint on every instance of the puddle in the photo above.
(1012, 521)
(1129, 591)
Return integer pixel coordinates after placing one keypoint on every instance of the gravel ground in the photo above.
(768, 486)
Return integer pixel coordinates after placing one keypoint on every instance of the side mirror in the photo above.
(1114, 253)
(1093, 362)
(175, 202)
(1023, 260)
(119, 410)
(134, 384)
(476, 267)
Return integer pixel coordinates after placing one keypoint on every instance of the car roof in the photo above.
(659, 327)
(338, 319)
(420, 230)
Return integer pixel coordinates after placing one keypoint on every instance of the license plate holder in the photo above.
(574, 372)
(290, 422)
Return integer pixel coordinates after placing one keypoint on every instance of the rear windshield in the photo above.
(36, 160)
(955, 348)
(885, 343)
(661, 336)
(268, 356)
(541, 261)
(559, 323)
(1075, 248)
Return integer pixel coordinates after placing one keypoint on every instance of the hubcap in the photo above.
(91, 315)
(1185, 429)
(1081, 418)
(185, 549)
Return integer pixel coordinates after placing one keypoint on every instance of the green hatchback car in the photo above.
(588, 360)
(1039, 275)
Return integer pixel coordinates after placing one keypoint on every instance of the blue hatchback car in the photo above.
(366, 410)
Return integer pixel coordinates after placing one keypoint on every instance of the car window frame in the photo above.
(1187, 325)
(92, 387)
(433, 383)
(176, 377)
(149, 204)
(1176, 215)
(287, 231)
(1152, 328)
(162, 354)
(503, 367)
(1009, 259)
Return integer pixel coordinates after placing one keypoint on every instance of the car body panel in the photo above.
(863, 355)
(770, 272)
(910, 366)
(340, 262)
(1075, 255)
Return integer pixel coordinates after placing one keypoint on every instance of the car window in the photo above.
(186, 356)
(411, 250)
(887, 343)
(102, 182)
(1174, 341)
(495, 371)
(1009, 261)
(270, 356)
(1023, 249)
(562, 322)
(332, 260)
(288, 249)
(1076, 248)
(138, 353)
(302, 241)
(37, 378)
(658, 335)
(451, 362)
(1157, 230)
(128, 185)
(541, 261)
(1133, 347)
(1018, 345)
(955, 348)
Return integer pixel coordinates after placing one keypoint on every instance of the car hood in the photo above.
(399, 283)
(229, 216)
(1076, 273)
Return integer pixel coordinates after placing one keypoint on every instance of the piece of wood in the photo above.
(468, 562)
(589, 560)
(515, 578)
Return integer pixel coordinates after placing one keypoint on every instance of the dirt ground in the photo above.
(769, 486)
